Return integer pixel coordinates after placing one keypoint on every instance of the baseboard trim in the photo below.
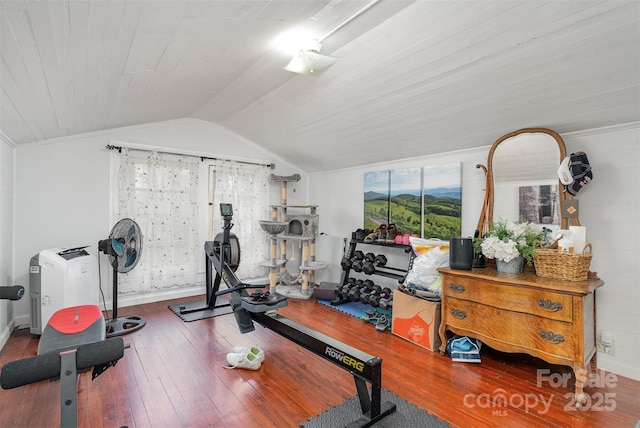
(172, 293)
(124, 301)
(619, 369)
(157, 296)
(6, 333)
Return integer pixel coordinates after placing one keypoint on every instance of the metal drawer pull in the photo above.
(549, 305)
(458, 288)
(457, 313)
(551, 337)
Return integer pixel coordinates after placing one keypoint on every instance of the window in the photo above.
(160, 192)
(168, 196)
(246, 187)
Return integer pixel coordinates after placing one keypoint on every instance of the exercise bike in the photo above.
(262, 308)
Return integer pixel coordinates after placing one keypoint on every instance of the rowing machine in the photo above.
(261, 308)
(225, 247)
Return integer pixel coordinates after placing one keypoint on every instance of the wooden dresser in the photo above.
(550, 319)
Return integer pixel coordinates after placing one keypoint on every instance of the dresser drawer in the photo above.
(511, 328)
(524, 299)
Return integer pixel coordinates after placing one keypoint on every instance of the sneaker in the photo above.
(382, 233)
(392, 231)
(372, 237)
(243, 361)
(259, 353)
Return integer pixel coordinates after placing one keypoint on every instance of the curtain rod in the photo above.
(202, 158)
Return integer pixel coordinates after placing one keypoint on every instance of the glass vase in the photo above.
(512, 266)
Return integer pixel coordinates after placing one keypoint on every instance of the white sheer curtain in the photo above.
(160, 192)
(246, 186)
(164, 194)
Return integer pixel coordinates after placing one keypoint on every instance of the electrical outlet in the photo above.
(601, 348)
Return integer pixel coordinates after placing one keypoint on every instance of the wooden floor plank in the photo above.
(173, 375)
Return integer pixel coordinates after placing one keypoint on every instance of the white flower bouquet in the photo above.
(507, 240)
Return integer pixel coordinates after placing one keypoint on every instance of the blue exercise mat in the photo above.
(355, 309)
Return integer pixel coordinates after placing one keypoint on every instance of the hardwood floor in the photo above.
(173, 376)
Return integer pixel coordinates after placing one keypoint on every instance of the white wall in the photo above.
(339, 196)
(6, 237)
(609, 208)
(62, 188)
(62, 198)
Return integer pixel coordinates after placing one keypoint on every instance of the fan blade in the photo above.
(131, 232)
(118, 247)
(132, 256)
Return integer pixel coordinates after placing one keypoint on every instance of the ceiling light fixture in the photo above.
(309, 60)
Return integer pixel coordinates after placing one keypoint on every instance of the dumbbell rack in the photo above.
(386, 271)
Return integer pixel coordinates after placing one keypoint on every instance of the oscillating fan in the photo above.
(124, 248)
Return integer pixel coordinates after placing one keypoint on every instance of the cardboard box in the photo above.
(416, 320)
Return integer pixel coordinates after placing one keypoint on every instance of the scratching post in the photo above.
(305, 262)
(273, 228)
(272, 271)
(312, 258)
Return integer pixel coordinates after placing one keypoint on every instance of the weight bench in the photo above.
(72, 342)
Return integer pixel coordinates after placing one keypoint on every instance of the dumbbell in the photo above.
(371, 261)
(387, 302)
(376, 292)
(343, 291)
(366, 289)
(354, 292)
(347, 262)
(385, 293)
(339, 290)
(359, 264)
(365, 296)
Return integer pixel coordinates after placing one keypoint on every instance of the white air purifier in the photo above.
(59, 278)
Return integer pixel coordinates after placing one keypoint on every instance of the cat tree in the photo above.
(295, 225)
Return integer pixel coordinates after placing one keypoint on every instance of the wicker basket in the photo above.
(570, 267)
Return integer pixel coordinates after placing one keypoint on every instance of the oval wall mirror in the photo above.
(522, 179)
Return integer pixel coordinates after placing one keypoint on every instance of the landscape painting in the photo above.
(376, 198)
(405, 200)
(442, 191)
(423, 201)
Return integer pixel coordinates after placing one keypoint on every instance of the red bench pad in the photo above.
(72, 327)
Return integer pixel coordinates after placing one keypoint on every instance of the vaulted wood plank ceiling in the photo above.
(413, 78)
